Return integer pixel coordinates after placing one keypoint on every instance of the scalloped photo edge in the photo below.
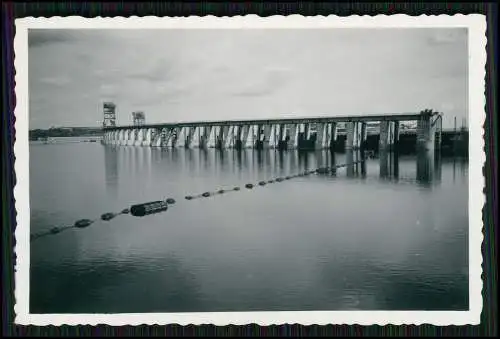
(476, 25)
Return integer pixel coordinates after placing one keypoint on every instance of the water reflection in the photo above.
(301, 244)
(349, 161)
(459, 168)
(169, 283)
(111, 170)
(139, 160)
(426, 168)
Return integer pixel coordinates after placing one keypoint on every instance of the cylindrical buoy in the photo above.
(170, 201)
(236, 189)
(189, 197)
(82, 223)
(125, 211)
(206, 194)
(249, 186)
(220, 191)
(141, 210)
(288, 177)
(270, 181)
(262, 183)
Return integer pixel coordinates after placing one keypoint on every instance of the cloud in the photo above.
(273, 80)
(447, 36)
(157, 73)
(232, 74)
(55, 81)
(41, 37)
(108, 90)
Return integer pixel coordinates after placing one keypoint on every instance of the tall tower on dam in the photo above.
(109, 111)
(139, 118)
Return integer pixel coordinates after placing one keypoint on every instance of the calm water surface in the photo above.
(376, 237)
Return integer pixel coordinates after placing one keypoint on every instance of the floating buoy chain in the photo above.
(140, 210)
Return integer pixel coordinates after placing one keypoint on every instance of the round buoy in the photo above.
(83, 223)
(107, 216)
(206, 194)
(249, 186)
(170, 201)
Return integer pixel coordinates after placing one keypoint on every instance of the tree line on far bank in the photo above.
(37, 134)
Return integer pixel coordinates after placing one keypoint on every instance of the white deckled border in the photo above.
(476, 25)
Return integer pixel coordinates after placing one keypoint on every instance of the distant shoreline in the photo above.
(43, 134)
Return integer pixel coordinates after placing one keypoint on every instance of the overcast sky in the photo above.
(189, 75)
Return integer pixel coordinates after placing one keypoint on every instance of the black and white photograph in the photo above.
(249, 170)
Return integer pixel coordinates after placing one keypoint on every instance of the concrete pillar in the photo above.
(363, 136)
(281, 132)
(130, 137)
(396, 136)
(146, 138)
(244, 135)
(350, 162)
(349, 145)
(141, 135)
(221, 137)
(355, 138)
(425, 134)
(384, 135)
(134, 136)
(292, 133)
(189, 136)
(274, 136)
(229, 136)
(165, 136)
(384, 163)
(174, 135)
(267, 136)
(320, 136)
(154, 137)
(204, 136)
(333, 135)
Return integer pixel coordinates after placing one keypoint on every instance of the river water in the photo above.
(376, 237)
